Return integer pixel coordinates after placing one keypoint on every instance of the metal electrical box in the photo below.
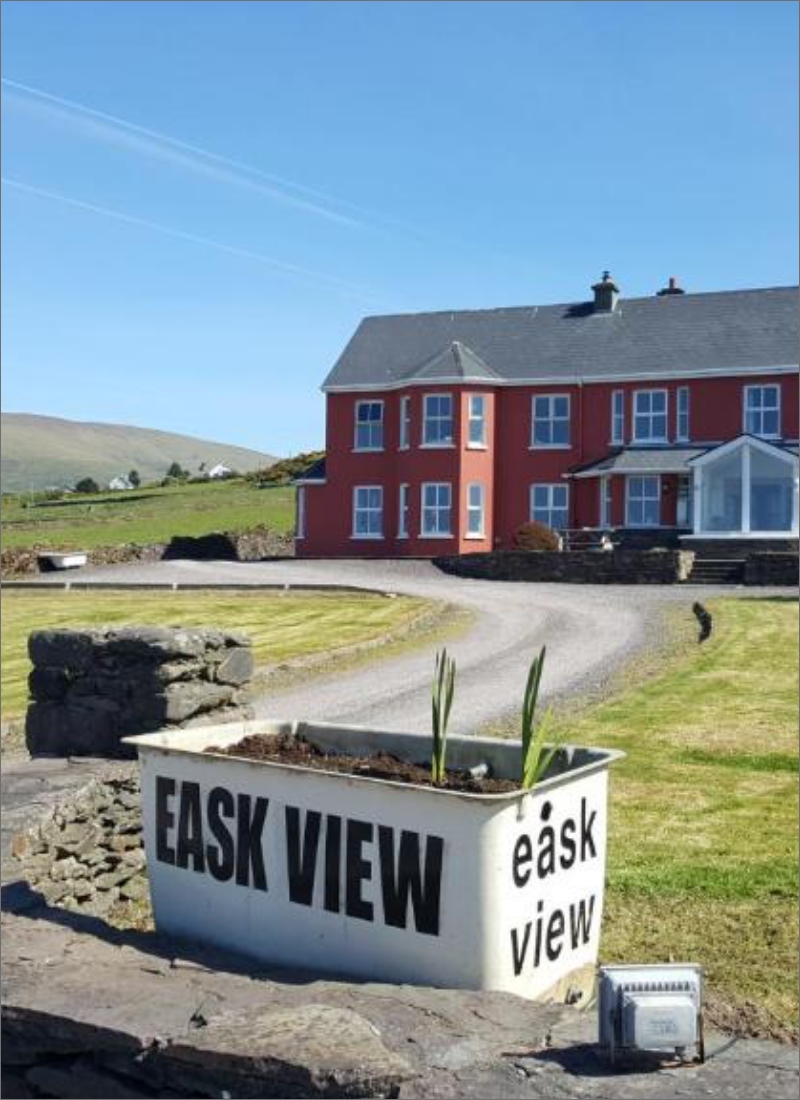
(651, 1008)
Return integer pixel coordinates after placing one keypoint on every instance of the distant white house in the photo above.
(220, 470)
(120, 482)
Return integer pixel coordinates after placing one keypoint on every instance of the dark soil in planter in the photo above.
(285, 749)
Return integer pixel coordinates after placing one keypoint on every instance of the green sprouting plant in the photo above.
(535, 760)
(442, 690)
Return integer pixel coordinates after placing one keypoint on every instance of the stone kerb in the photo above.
(90, 688)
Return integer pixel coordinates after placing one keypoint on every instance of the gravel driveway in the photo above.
(589, 631)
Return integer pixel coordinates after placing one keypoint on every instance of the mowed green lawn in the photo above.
(145, 516)
(702, 862)
(281, 627)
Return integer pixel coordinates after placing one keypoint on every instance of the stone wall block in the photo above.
(236, 666)
(73, 650)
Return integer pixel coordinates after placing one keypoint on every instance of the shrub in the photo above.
(87, 485)
(536, 536)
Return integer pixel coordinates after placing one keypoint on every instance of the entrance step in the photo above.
(717, 571)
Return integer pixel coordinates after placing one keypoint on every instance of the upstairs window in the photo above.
(438, 427)
(436, 509)
(477, 420)
(618, 416)
(551, 420)
(762, 411)
(650, 416)
(405, 423)
(369, 426)
(368, 512)
(683, 414)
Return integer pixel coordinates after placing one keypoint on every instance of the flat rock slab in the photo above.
(136, 1014)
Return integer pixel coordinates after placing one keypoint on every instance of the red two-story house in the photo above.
(675, 414)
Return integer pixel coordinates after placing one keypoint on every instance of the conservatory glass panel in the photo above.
(722, 494)
(771, 489)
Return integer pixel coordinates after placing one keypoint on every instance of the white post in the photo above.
(697, 498)
(746, 489)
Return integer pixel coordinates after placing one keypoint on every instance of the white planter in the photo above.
(372, 878)
(66, 560)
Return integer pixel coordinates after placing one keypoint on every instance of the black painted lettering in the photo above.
(523, 855)
(220, 857)
(519, 951)
(555, 931)
(546, 862)
(537, 954)
(359, 870)
(405, 877)
(587, 840)
(568, 843)
(165, 818)
(249, 849)
(190, 829)
(580, 921)
(302, 862)
(333, 863)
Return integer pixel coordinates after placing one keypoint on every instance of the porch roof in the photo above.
(641, 460)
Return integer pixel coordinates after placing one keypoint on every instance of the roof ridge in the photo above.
(587, 301)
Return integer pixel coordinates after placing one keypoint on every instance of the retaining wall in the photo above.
(575, 567)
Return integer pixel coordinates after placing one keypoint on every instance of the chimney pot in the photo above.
(606, 293)
(671, 288)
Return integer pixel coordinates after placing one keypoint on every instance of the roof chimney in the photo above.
(606, 293)
(671, 288)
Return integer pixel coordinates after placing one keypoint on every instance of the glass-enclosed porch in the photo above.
(745, 488)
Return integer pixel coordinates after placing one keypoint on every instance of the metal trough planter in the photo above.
(379, 879)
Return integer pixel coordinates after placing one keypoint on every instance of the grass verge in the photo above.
(313, 627)
(702, 861)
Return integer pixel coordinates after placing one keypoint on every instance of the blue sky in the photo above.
(201, 200)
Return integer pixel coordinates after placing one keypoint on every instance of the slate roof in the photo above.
(315, 472)
(682, 334)
(650, 460)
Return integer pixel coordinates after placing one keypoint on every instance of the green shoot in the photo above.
(535, 760)
(442, 690)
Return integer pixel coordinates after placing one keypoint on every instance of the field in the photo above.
(82, 522)
(282, 627)
(703, 842)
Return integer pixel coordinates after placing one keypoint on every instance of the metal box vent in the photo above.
(651, 1008)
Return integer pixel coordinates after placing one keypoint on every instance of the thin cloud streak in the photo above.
(234, 171)
(293, 270)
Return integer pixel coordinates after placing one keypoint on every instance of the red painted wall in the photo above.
(508, 466)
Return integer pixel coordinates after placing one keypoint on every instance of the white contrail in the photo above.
(238, 171)
(293, 270)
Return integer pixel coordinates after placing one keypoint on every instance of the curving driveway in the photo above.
(589, 631)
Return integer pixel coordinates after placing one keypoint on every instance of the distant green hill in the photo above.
(40, 451)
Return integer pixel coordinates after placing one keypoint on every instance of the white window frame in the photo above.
(618, 417)
(427, 419)
(629, 498)
(405, 423)
(371, 447)
(650, 414)
(550, 486)
(368, 535)
(480, 508)
(437, 533)
(762, 409)
(300, 520)
(403, 510)
(550, 397)
(606, 501)
(472, 418)
(682, 432)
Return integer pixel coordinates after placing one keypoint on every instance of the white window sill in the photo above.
(550, 447)
(654, 442)
(405, 447)
(477, 446)
(367, 450)
(425, 535)
(475, 538)
(437, 446)
(402, 537)
(366, 538)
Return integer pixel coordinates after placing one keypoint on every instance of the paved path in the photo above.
(589, 631)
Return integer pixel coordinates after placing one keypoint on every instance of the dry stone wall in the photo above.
(91, 688)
